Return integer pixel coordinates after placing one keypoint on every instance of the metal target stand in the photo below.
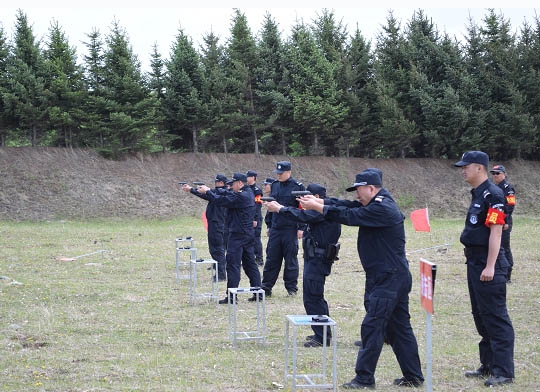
(183, 246)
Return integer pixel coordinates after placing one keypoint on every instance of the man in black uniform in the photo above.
(215, 215)
(499, 178)
(381, 246)
(486, 272)
(319, 243)
(283, 234)
(257, 223)
(241, 204)
(228, 186)
(268, 185)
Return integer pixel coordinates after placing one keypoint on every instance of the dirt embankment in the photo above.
(56, 183)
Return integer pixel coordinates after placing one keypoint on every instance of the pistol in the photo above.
(198, 183)
(298, 194)
(267, 198)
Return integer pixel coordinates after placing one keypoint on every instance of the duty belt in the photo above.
(471, 251)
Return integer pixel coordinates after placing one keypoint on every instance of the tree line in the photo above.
(322, 90)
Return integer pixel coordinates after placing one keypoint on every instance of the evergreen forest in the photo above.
(319, 89)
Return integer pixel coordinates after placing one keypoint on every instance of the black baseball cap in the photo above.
(498, 169)
(473, 157)
(251, 173)
(282, 166)
(317, 189)
(269, 180)
(221, 177)
(239, 177)
(379, 171)
(367, 177)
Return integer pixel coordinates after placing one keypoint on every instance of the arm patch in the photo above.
(511, 200)
(494, 217)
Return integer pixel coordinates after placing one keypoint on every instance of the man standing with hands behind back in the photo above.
(486, 272)
(499, 178)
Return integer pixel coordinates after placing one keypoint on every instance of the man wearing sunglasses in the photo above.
(499, 178)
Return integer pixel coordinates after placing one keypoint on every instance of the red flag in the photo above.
(420, 220)
(205, 221)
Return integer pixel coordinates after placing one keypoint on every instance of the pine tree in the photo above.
(331, 38)
(393, 70)
(6, 118)
(317, 110)
(213, 94)
(183, 106)
(511, 129)
(241, 62)
(156, 84)
(359, 95)
(65, 84)
(26, 96)
(436, 77)
(131, 108)
(95, 126)
(528, 49)
(274, 106)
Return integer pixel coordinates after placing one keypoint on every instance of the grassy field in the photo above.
(123, 323)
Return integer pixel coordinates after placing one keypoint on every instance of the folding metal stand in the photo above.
(260, 333)
(211, 295)
(181, 248)
(306, 320)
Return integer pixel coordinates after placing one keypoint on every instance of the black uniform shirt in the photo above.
(487, 203)
(322, 231)
(215, 214)
(281, 191)
(257, 192)
(241, 208)
(510, 199)
(381, 234)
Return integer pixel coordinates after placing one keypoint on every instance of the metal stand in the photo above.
(429, 386)
(260, 333)
(213, 294)
(182, 247)
(303, 320)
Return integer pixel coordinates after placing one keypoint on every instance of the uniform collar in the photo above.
(382, 192)
(480, 188)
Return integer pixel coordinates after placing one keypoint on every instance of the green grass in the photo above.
(122, 323)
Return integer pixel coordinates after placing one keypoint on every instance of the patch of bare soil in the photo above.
(58, 183)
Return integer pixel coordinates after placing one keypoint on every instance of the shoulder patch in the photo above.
(506, 185)
(486, 193)
(298, 183)
(379, 199)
